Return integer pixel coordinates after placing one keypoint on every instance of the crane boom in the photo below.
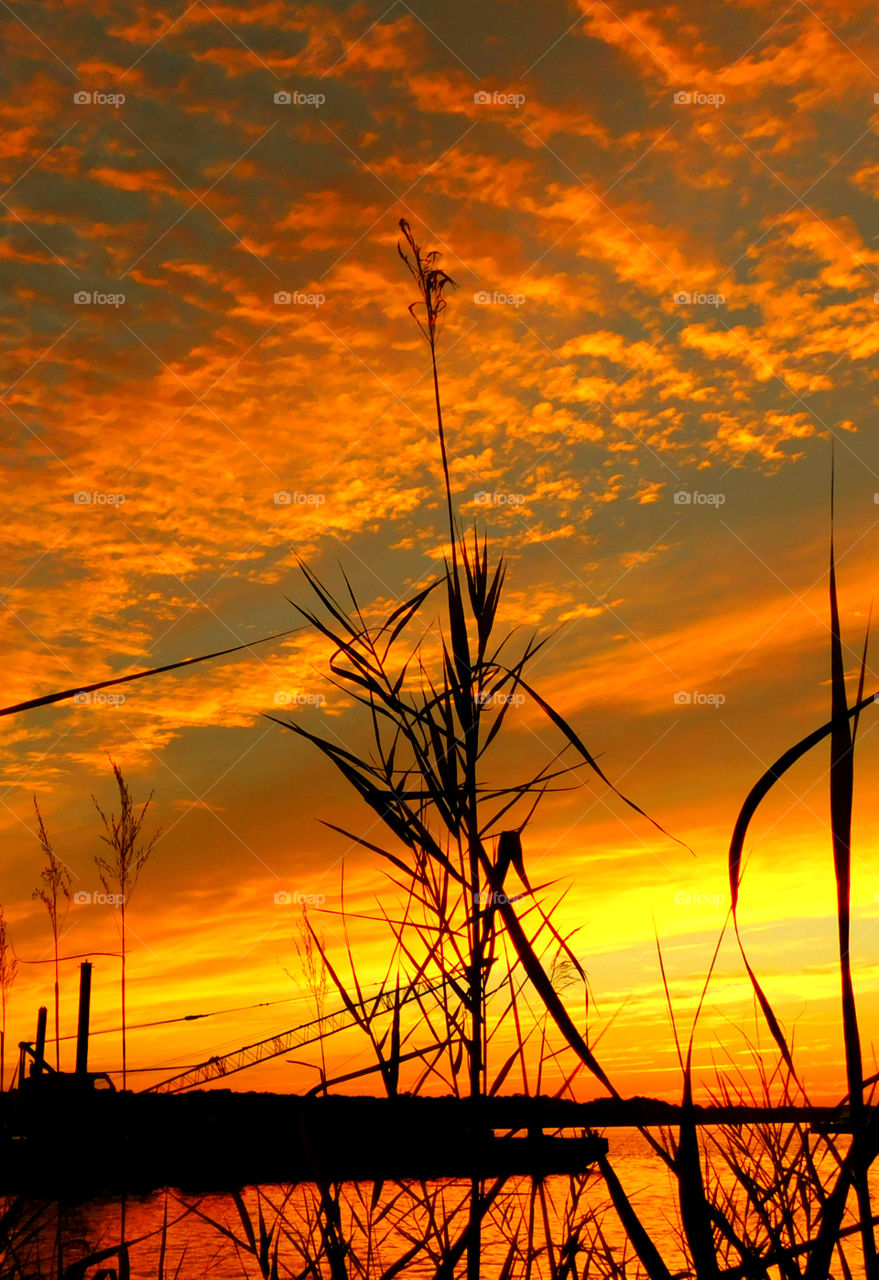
(275, 1046)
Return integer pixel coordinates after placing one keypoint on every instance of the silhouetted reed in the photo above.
(753, 1201)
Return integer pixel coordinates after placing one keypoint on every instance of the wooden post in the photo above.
(82, 1028)
(40, 1046)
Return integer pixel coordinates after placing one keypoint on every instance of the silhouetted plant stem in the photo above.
(122, 870)
(841, 797)
(54, 891)
(8, 970)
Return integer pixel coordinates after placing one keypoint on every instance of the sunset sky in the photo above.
(662, 224)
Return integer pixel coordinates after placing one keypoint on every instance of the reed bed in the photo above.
(434, 681)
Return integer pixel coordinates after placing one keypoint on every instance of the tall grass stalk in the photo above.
(119, 872)
(435, 713)
(430, 713)
(54, 893)
(8, 972)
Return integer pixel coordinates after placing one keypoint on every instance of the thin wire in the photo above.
(190, 1017)
(187, 1017)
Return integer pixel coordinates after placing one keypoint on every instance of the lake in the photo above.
(385, 1225)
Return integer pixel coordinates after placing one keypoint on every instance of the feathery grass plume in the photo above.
(436, 706)
(54, 893)
(432, 283)
(8, 971)
(432, 704)
(309, 948)
(120, 871)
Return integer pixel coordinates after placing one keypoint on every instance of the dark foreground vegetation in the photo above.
(763, 1192)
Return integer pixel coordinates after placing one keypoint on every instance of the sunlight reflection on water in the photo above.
(197, 1248)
